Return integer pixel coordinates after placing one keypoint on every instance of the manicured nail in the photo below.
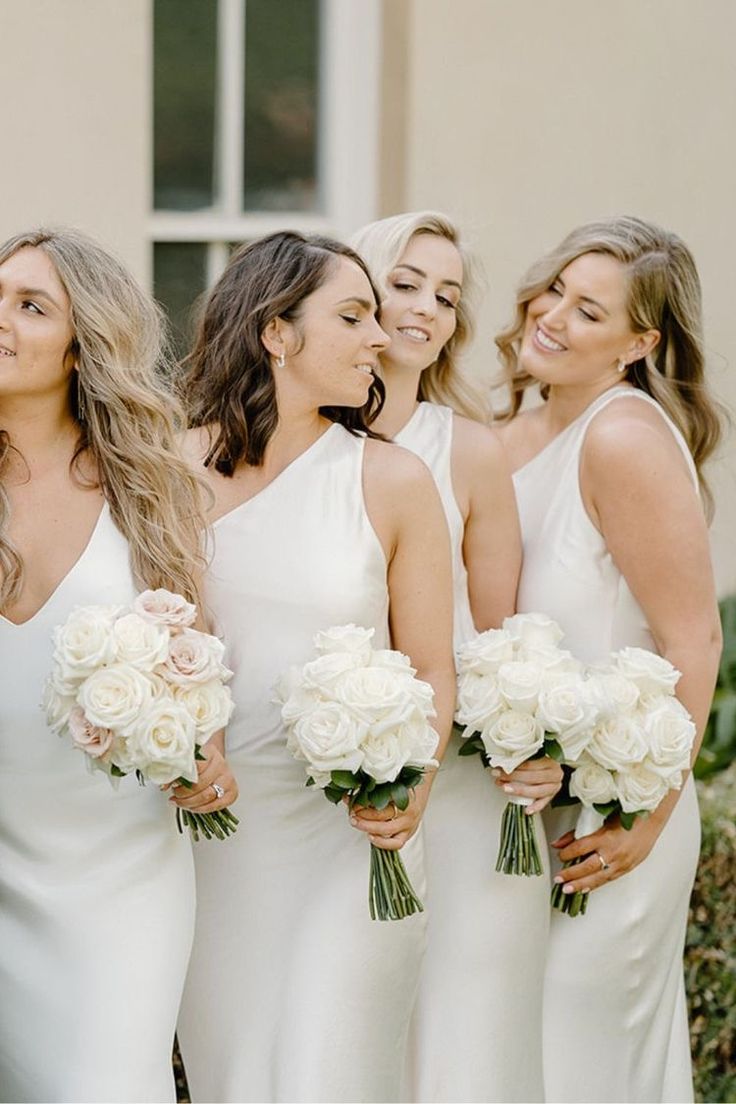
(496, 772)
(354, 822)
(568, 888)
(509, 789)
(558, 880)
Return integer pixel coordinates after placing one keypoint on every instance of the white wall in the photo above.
(76, 119)
(526, 118)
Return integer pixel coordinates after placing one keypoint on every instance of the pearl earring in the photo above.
(622, 365)
(281, 360)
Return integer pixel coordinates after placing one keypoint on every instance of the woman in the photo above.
(607, 470)
(294, 993)
(488, 1051)
(96, 884)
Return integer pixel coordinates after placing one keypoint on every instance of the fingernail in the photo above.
(587, 889)
(496, 772)
(558, 880)
(354, 821)
(568, 888)
(508, 789)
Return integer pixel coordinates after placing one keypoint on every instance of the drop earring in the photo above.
(81, 406)
(281, 360)
(622, 365)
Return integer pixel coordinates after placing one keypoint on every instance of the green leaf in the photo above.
(333, 794)
(399, 795)
(471, 747)
(627, 820)
(309, 782)
(116, 772)
(607, 809)
(346, 780)
(553, 750)
(198, 753)
(381, 796)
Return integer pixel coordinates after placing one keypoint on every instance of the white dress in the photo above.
(96, 885)
(294, 993)
(615, 1015)
(477, 1028)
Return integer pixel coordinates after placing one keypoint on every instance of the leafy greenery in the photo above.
(719, 742)
(710, 954)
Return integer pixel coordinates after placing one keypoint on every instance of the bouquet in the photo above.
(358, 719)
(138, 689)
(634, 755)
(520, 697)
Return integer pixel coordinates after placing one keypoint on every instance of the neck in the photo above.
(41, 431)
(565, 404)
(296, 431)
(401, 385)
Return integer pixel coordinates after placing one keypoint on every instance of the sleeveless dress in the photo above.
(615, 1018)
(96, 884)
(294, 993)
(477, 1029)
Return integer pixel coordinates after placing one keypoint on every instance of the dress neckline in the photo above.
(277, 479)
(64, 579)
(616, 389)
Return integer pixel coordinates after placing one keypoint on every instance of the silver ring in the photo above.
(219, 791)
(602, 861)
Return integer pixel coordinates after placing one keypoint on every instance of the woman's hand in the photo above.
(611, 852)
(215, 788)
(539, 779)
(391, 827)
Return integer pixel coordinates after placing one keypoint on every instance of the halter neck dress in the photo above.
(477, 1028)
(96, 884)
(294, 993)
(615, 1019)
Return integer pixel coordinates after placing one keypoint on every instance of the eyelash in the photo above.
(440, 298)
(350, 320)
(590, 317)
(30, 303)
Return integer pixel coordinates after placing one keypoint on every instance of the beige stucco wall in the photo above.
(525, 118)
(75, 136)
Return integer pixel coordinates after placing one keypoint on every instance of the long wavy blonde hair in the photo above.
(382, 244)
(127, 418)
(663, 294)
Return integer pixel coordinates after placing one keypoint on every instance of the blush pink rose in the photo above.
(90, 738)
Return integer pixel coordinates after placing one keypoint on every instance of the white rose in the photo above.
(612, 693)
(58, 701)
(140, 643)
(566, 711)
(209, 704)
(617, 743)
(670, 734)
(194, 657)
(377, 696)
(533, 630)
(120, 754)
(421, 742)
(329, 738)
(84, 642)
(322, 674)
(91, 739)
(384, 755)
(392, 660)
(114, 696)
(422, 694)
(552, 660)
(652, 673)
(520, 684)
(320, 778)
(592, 784)
(512, 739)
(485, 653)
(479, 701)
(346, 638)
(298, 704)
(163, 607)
(640, 789)
(162, 743)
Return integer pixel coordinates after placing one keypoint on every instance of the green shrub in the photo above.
(710, 954)
(719, 742)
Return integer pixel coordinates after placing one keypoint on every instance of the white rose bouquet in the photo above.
(358, 719)
(635, 754)
(140, 690)
(520, 697)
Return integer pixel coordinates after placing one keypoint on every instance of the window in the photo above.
(265, 117)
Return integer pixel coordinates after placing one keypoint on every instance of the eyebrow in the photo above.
(418, 271)
(36, 293)
(586, 298)
(364, 303)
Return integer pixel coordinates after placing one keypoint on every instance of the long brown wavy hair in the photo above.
(663, 294)
(227, 383)
(127, 418)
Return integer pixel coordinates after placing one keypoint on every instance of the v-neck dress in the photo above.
(294, 993)
(615, 1020)
(477, 1028)
(96, 884)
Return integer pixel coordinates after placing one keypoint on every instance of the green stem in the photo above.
(574, 904)
(390, 894)
(518, 851)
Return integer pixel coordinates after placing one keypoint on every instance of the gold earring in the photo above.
(281, 360)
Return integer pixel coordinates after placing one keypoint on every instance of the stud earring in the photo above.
(281, 360)
(622, 365)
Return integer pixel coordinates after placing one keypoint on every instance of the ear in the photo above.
(642, 346)
(273, 337)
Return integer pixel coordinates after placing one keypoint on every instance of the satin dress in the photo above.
(294, 993)
(615, 1018)
(477, 1028)
(96, 884)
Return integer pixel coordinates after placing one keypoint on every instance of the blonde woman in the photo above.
(96, 885)
(607, 473)
(477, 1028)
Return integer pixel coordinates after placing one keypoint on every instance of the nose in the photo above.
(378, 338)
(554, 315)
(425, 303)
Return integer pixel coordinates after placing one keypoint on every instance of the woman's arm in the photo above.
(640, 495)
(405, 509)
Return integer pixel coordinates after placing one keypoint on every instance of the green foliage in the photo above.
(719, 742)
(710, 954)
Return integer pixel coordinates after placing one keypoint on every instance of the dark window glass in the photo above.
(179, 278)
(185, 47)
(281, 105)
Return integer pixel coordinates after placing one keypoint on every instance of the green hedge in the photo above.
(710, 954)
(719, 741)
